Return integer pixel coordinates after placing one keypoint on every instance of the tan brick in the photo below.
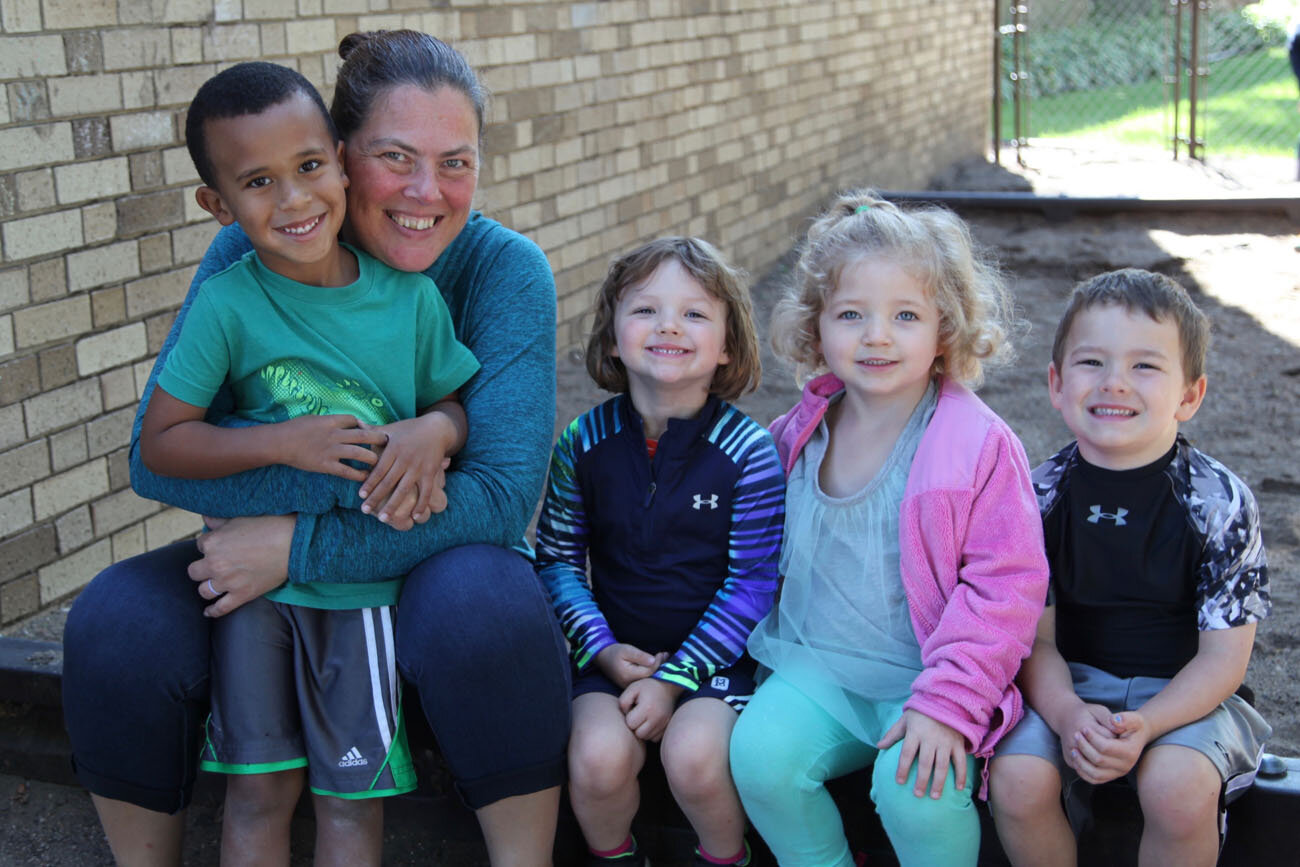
(21, 466)
(68, 448)
(190, 243)
(53, 321)
(231, 42)
(118, 388)
(5, 116)
(42, 235)
(109, 431)
(141, 371)
(90, 137)
(178, 84)
(58, 366)
(19, 378)
(84, 94)
(74, 529)
(166, 11)
(128, 543)
(84, 51)
(302, 37)
(157, 328)
(110, 348)
(27, 552)
(61, 492)
(20, 16)
(274, 40)
(94, 180)
(158, 292)
(150, 212)
(15, 512)
(108, 306)
(169, 526)
(12, 429)
(138, 90)
(79, 14)
(13, 288)
(187, 45)
(6, 334)
(19, 598)
(31, 57)
(74, 572)
(61, 407)
(35, 189)
(255, 9)
(99, 222)
(155, 252)
(119, 470)
(178, 168)
(34, 145)
(146, 170)
(47, 280)
(141, 130)
(137, 48)
(346, 7)
(121, 509)
(226, 10)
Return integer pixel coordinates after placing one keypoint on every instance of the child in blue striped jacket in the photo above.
(676, 499)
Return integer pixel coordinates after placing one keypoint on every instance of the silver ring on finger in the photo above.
(211, 589)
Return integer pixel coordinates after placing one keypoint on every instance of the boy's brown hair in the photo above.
(1157, 296)
(702, 261)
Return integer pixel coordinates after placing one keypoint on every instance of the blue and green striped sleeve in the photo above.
(753, 555)
(562, 534)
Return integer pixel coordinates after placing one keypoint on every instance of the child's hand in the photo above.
(407, 480)
(647, 706)
(933, 745)
(625, 664)
(321, 443)
(1100, 758)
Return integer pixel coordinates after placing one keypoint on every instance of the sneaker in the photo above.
(699, 860)
(635, 858)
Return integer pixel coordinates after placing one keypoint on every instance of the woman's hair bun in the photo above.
(350, 42)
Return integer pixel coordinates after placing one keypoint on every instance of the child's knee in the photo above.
(695, 772)
(1022, 786)
(758, 765)
(902, 812)
(348, 813)
(603, 760)
(1179, 789)
(263, 795)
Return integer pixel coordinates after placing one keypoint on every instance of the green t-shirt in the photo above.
(381, 348)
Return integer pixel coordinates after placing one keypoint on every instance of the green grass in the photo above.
(1250, 109)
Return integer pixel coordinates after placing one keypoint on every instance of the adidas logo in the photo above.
(353, 759)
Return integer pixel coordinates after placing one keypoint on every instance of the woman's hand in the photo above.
(933, 746)
(243, 558)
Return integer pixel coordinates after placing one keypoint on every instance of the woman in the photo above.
(475, 633)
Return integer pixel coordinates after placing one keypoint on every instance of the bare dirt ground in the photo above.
(1242, 268)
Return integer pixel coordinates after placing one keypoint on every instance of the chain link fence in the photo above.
(1209, 79)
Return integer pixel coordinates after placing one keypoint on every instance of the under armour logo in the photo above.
(711, 502)
(720, 682)
(1117, 516)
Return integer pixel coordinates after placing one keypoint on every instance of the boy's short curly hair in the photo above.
(706, 265)
(245, 88)
(1160, 297)
(934, 246)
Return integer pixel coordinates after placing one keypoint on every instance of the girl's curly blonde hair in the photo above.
(934, 246)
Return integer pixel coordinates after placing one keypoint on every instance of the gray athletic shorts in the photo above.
(1232, 736)
(297, 687)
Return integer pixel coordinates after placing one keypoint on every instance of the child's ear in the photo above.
(1054, 385)
(210, 200)
(342, 174)
(1193, 394)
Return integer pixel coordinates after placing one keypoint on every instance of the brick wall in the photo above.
(612, 122)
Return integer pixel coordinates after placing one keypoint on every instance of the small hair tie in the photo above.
(862, 208)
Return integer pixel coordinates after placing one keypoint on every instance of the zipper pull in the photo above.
(650, 495)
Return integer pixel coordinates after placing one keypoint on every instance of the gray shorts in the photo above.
(297, 687)
(1232, 736)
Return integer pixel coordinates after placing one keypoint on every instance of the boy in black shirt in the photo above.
(1158, 582)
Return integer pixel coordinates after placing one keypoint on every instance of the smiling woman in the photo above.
(475, 633)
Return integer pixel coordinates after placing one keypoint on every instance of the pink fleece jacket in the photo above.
(971, 557)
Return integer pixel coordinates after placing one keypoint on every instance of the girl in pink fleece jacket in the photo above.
(913, 559)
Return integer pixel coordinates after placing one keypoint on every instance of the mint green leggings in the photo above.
(783, 750)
